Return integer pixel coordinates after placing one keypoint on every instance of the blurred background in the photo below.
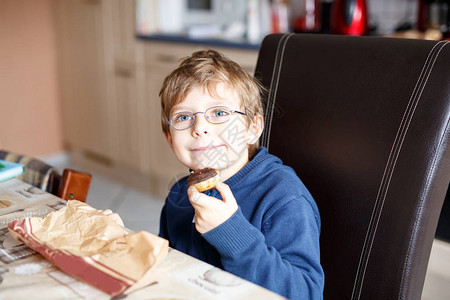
(79, 79)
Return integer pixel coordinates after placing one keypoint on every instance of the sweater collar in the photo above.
(261, 155)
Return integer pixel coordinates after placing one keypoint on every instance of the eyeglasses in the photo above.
(214, 115)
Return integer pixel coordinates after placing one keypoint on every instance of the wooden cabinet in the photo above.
(110, 89)
(86, 111)
(125, 85)
(244, 57)
(122, 23)
(126, 89)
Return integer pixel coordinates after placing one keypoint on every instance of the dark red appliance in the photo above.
(349, 17)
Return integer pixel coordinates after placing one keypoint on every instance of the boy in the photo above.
(260, 222)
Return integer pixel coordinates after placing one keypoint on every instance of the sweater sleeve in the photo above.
(163, 223)
(283, 257)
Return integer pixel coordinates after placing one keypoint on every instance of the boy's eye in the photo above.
(220, 112)
(182, 118)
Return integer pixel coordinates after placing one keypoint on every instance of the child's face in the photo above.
(220, 146)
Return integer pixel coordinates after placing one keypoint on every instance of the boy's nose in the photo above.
(201, 125)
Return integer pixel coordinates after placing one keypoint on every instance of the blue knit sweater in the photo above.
(273, 238)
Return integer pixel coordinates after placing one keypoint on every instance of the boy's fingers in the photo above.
(194, 195)
(225, 192)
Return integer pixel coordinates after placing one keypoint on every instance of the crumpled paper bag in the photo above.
(90, 246)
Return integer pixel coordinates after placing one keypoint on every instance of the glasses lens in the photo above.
(218, 114)
(182, 120)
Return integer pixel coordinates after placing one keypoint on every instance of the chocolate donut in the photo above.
(204, 179)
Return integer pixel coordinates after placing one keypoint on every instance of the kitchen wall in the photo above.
(30, 118)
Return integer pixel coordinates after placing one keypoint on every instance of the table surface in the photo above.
(25, 274)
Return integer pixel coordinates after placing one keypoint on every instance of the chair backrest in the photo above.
(71, 185)
(364, 121)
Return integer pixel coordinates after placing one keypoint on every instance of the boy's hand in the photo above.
(210, 212)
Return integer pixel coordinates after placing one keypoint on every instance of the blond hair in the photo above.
(208, 68)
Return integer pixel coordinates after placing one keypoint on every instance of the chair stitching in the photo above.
(273, 73)
(270, 97)
(407, 264)
(274, 86)
(280, 63)
(391, 164)
(408, 122)
(379, 203)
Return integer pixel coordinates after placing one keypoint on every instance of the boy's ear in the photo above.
(255, 130)
(169, 139)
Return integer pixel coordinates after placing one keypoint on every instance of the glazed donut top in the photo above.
(201, 175)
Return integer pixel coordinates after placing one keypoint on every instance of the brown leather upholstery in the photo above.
(364, 121)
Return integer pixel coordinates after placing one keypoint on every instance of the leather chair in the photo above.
(364, 121)
(70, 185)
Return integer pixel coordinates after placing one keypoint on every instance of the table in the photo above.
(25, 274)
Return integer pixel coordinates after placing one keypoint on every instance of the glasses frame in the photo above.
(206, 116)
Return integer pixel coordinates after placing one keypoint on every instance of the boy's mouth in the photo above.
(206, 148)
